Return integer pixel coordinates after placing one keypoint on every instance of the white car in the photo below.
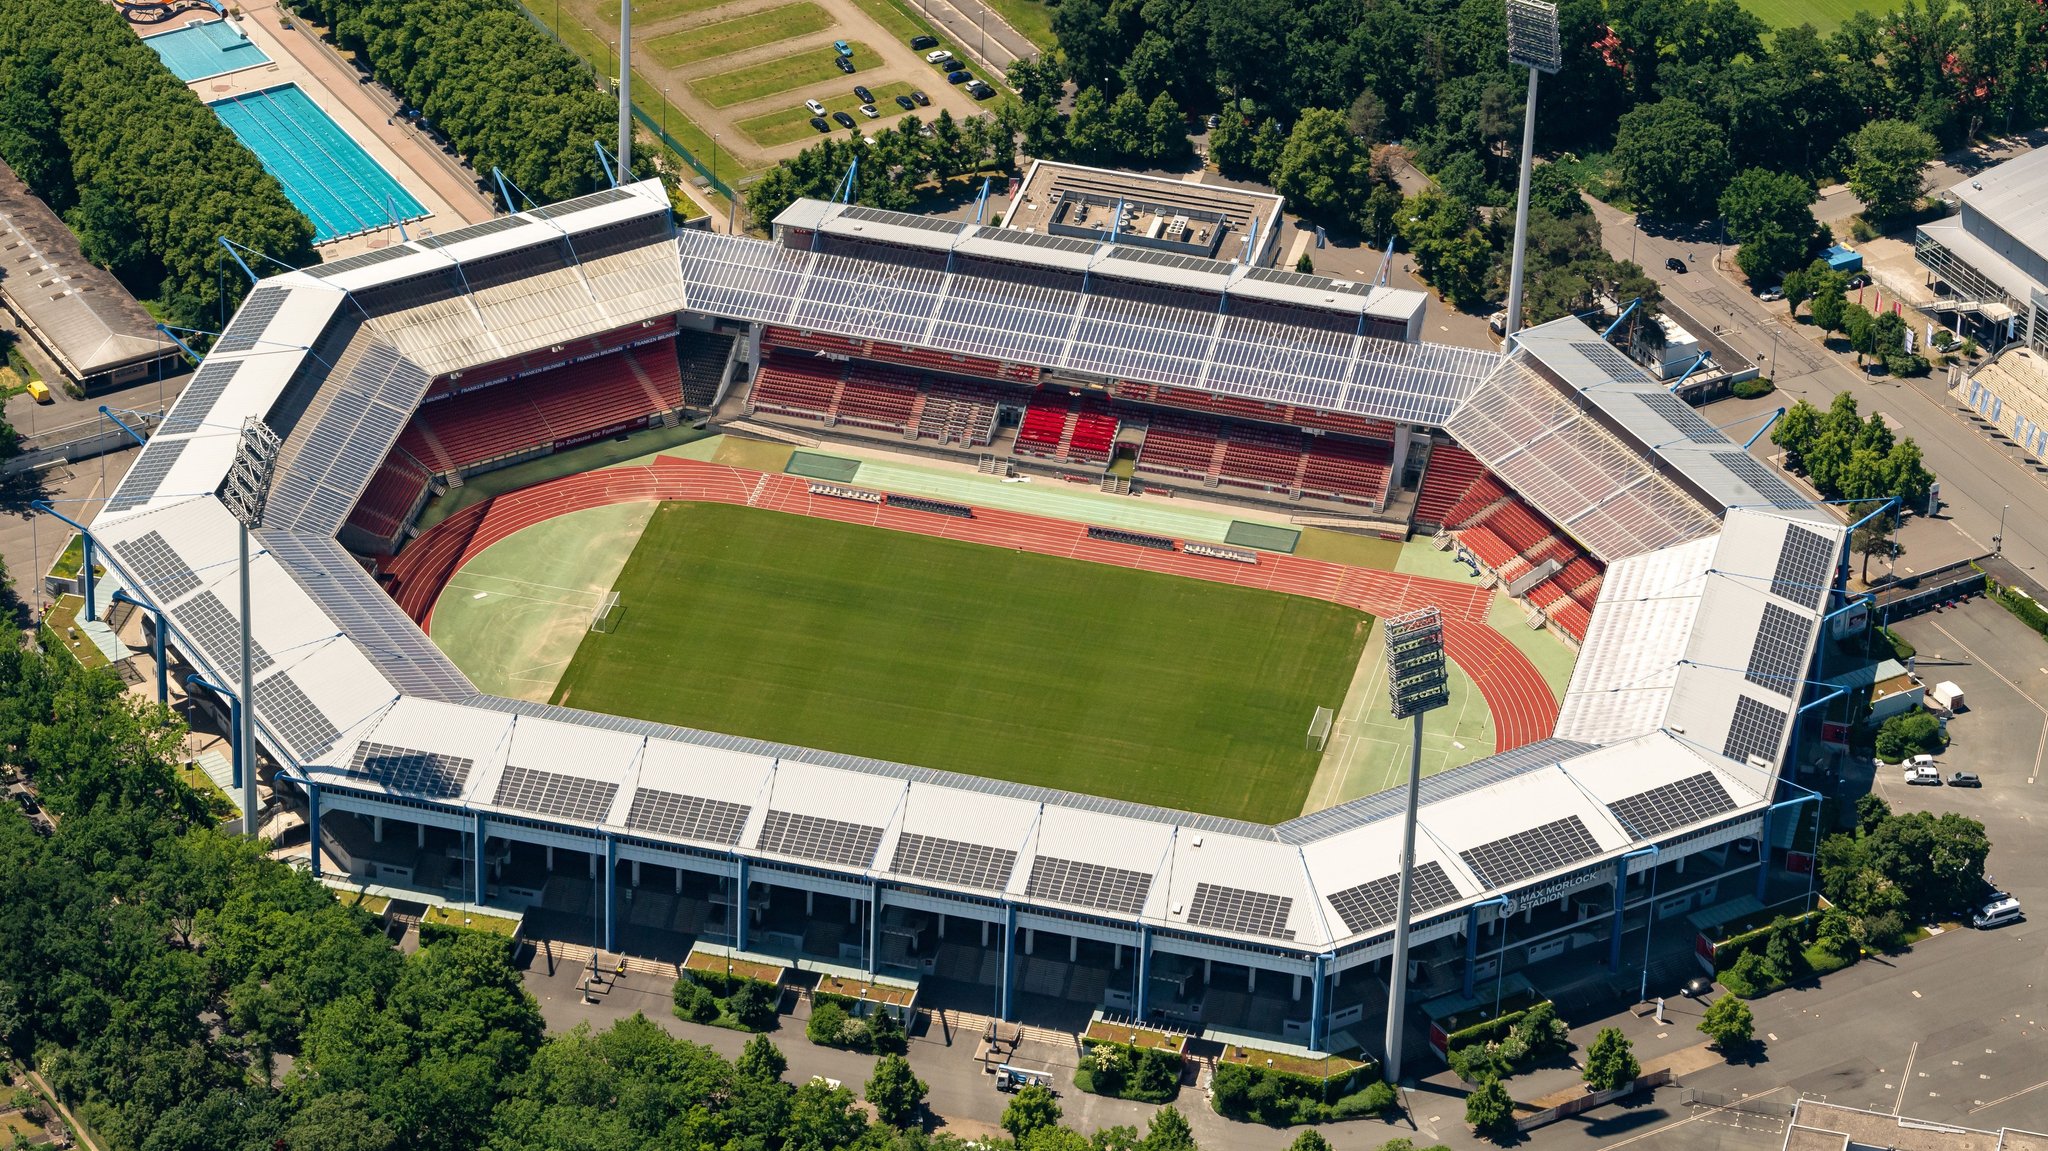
(936, 55)
(1771, 294)
(816, 108)
(1999, 911)
(870, 111)
(1923, 775)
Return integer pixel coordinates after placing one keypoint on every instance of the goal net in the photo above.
(606, 617)
(1319, 728)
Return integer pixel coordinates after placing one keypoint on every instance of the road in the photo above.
(980, 31)
(1978, 477)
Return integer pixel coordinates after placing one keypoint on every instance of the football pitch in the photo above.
(959, 656)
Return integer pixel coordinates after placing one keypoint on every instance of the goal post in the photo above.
(605, 618)
(1319, 728)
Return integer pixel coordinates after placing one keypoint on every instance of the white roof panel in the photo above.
(1621, 683)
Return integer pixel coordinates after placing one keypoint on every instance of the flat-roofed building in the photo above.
(1992, 255)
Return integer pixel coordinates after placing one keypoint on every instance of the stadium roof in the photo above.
(351, 696)
(2009, 196)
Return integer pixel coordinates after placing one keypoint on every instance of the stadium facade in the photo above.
(1661, 792)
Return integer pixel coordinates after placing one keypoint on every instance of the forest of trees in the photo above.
(144, 173)
(902, 160)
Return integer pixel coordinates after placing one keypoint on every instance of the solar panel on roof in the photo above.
(814, 837)
(953, 861)
(1777, 660)
(290, 713)
(1767, 483)
(1805, 571)
(1559, 843)
(140, 485)
(488, 227)
(250, 319)
(205, 620)
(429, 774)
(1754, 728)
(603, 196)
(1371, 906)
(900, 219)
(1238, 910)
(162, 572)
(1041, 240)
(1307, 283)
(687, 816)
(1088, 885)
(1171, 260)
(553, 793)
(360, 260)
(1686, 801)
(1680, 416)
(199, 396)
(1609, 359)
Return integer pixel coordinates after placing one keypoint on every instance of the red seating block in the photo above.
(1451, 474)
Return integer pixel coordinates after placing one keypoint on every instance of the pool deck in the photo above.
(438, 181)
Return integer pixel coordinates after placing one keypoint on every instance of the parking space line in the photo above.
(2009, 1098)
(1906, 1077)
(1705, 1113)
(2041, 745)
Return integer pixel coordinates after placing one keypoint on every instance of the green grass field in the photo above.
(1826, 15)
(647, 13)
(954, 655)
(703, 41)
(795, 123)
(813, 66)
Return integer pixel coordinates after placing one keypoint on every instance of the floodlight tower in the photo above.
(625, 148)
(246, 493)
(1532, 44)
(1418, 684)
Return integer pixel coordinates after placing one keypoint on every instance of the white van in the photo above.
(1996, 913)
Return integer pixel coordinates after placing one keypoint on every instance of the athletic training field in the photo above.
(978, 659)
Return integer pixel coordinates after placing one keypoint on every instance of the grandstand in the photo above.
(1703, 581)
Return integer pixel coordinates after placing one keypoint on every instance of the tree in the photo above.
(1167, 1130)
(1914, 864)
(1771, 214)
(1610, 1062)
(1489, 1109)
(1875, 539)
(1671, 158)
(1032, 1108)
(897, 1093)
(1830, 307)
(823, 1118)
(1450, 252)
(1324, 170)
(1364, 117)
(1166, 134)
(1907, 734)
(1309, 1140)
(761, 1059)
(1885, 161)
(1860, 327)
(1728, 1024)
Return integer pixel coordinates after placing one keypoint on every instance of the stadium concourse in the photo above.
(1667, 786)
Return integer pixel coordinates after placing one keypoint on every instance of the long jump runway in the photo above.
(1522, 705)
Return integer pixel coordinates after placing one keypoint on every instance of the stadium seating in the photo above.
(1487, 547)
(702, 359)
(1282, 461)
(1345, 470)
(934, 361)
(1061, 427)
(812, 341)
(1255, 458)
(877, 398)
(1291, 415)
(797, 386)
(1451, 473)
(1577, 574)
(955, 412)
(1482, 496)
(560, 406)
(1573, 618)
(394, 494)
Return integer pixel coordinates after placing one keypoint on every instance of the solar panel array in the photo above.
(580, 203)
(1371, 906)
(1393, 802)
(1805, 570)
(953, 861)
(687, 816)
(361, 260)
(815, 837)
(140, 485)
(164, 574)
(500, 224)
(1088, 885)
(1767, 483)
(366, 615)
(1680, 416)
(1686, 801)
(206, 620)
(250, 319)
(338, 444)
(1306, 283)
(1172, 260)
(428, 774)
(196, 402)
(1754, 728)
(553, 793)
(1559, 843)
(900, 219)
(1777, 660)
(1609, 359)
(1241, 911)
(290, 713)
(1041, 240)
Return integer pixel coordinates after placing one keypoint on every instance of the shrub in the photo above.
(1284, 1099)
(1531, 1037)
(827, 1025)
(694, 1002)
(1122, 1071)
(1909, 733)
(1489, 1109)
(1611, 1062)
(1751, 389)
(1729, 1023)
(725, 999)
(833, 1024)
(1751, 976)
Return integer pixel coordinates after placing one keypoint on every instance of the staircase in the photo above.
(1215, 475)
(1116, 485)
(914, 426)
(1067, 432)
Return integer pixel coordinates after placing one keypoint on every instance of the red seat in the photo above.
(1451, 473)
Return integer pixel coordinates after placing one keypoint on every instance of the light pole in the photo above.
(1418, 683)
(1998, 541)
(1532, 44)
(625, 89)
(246, 493)
(664, 111)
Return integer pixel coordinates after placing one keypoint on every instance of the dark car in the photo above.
(905, 103)
(1857, 281)
(861, 90)
(918, 95)
(960, 77)
(1676, 265)
(845, 64)
(843, 120)
(945, 62)
(28, 802)
(819, 123)
(979, 90)
(920, 43)
(1965, 779)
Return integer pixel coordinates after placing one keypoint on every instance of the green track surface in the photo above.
(953, 655)
(1368, 749)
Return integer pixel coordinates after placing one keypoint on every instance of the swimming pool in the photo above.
(324, 171)
(213, 48)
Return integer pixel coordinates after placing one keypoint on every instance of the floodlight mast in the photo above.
(625, 149)
(1418, 684)
(246, 493)
(1532, 44)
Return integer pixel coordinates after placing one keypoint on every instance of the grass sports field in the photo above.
(955, 655)
(1825, 15)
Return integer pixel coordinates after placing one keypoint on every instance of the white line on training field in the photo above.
(527, 598)
(527, 582)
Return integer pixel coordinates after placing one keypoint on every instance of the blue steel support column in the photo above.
(739, 912)
(1144, 969)
(156, 651)
(85, 572)
(483, 880)
(874, 925)
(611, 893)
(1009, 957)
(1317, 1021)
(1621, 905)
(313, 823)
(1763, 853)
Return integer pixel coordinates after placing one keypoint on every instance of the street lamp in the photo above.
(246, 493)
(1417, 683)
(1998, 541)
(1532, 44)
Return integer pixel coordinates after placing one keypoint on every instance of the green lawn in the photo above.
(1031, 17)
(647, 13)
(1826, 15)
(795, 123)
(738, 34)
(953, 655)
(814, 66)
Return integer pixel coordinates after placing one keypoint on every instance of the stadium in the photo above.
(1005, 855)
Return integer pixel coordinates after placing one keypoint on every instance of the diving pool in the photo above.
(323, 170)
(213, 48)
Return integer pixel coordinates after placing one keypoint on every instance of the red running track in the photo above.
(1523, 708)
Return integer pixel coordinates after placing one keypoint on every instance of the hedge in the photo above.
(1124, 1071)
(729, 1000)
(2020, 605)
(1285, 1099)
(1487, 1030)
(1728, 950)
(836, 1021)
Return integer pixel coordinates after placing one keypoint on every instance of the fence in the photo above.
(1773, 1107)
(1923, 591)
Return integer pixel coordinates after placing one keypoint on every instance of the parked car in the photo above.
(1213, 122)
(920, 43)
(959, 77)
(861, 93)
(1771, 295)
(1676, 265)
(945, 63)
(923, 101)
(1857, 281)
(937, 55)
(906, 103)
(843, 120)
(979, 90)
(1965, 779)
(1923, 775)
(846, 65)
(816, 108)
(1996, 912)
(870, 111)
(842, 47)
(28, 802)
(820, 124)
